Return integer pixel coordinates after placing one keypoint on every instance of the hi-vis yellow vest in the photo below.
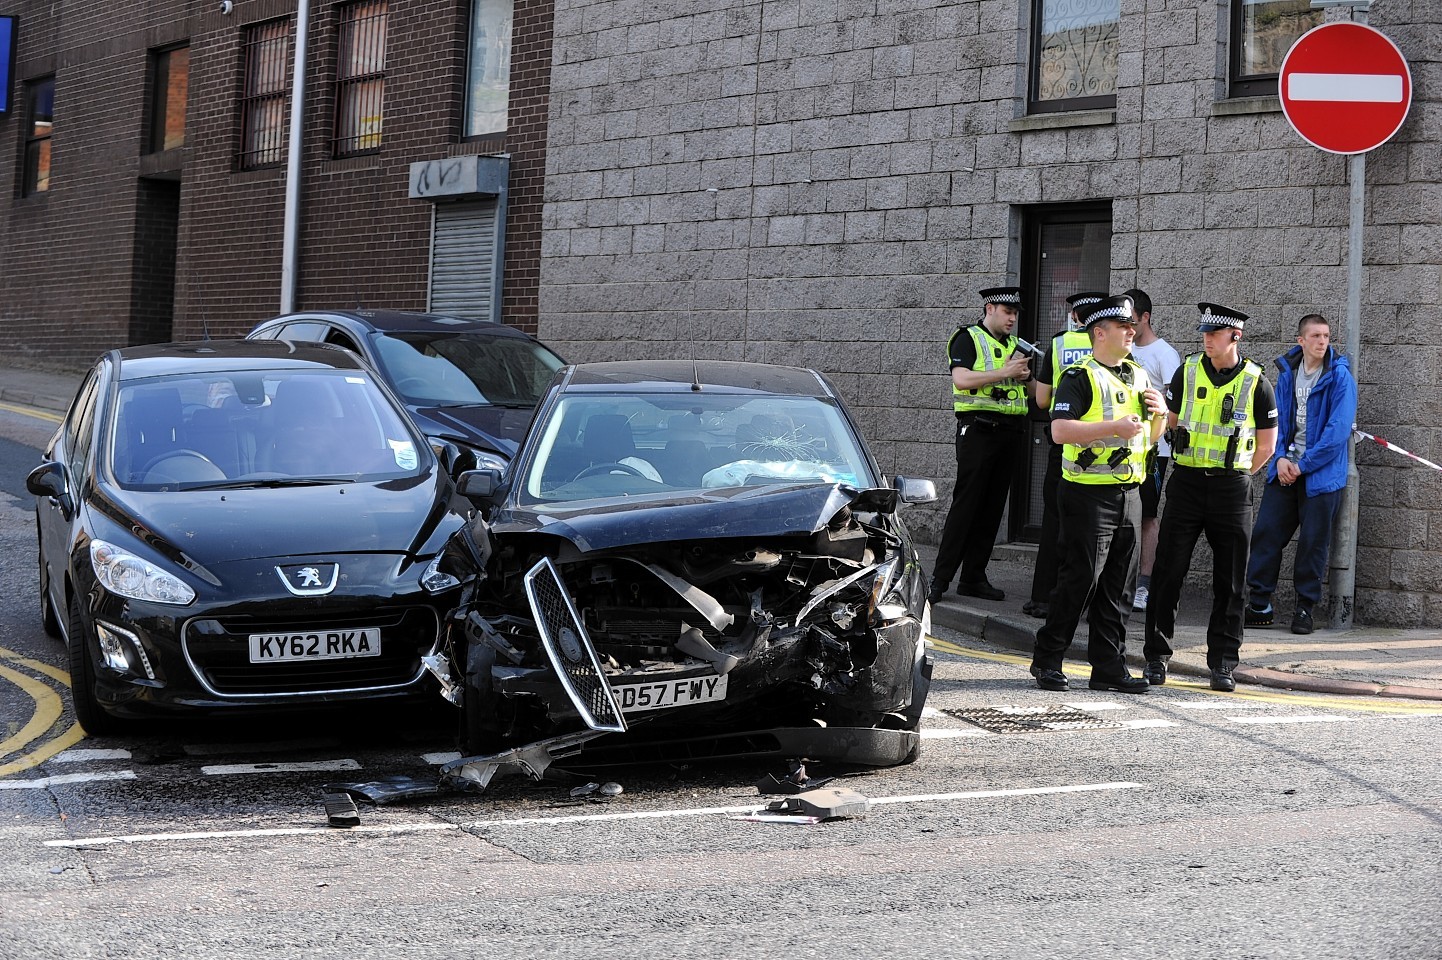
(1220, 432)
(1111, 459)
(1067, 348)
(1005, 396)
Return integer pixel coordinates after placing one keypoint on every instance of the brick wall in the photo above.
(81, 271)
(829, 183)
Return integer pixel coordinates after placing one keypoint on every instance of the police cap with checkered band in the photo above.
(1119, 308)
(1217, 317)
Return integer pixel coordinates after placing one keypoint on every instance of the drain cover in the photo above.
(1031, 719)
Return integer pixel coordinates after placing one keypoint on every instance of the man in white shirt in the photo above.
(1160, 360)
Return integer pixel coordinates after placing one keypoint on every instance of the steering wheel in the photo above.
(611, 467)
(171, 454)
(413, 385)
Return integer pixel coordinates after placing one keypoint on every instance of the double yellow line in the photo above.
(49, 715)
(1288, 698)
(32, 412)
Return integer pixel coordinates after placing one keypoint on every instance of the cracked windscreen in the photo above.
(597, 446)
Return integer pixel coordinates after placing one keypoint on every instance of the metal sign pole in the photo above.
(1342, 581)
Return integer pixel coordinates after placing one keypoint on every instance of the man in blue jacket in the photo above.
(1316, 410)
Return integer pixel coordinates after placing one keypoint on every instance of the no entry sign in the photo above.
(1345, 87)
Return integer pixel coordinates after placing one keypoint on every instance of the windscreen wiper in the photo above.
(245, 483)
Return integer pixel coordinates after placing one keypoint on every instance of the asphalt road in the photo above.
(1180, 824)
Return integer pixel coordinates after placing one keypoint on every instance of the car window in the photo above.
(468, 368)
(303, 331)
(80, 426)
(603, 446)
(259, 427)
(341, 339)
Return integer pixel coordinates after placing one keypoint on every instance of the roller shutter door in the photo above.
(463, 267)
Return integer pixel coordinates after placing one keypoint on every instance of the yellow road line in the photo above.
(48, 709)
(1290, 697)
(32, 412)
(55, 673)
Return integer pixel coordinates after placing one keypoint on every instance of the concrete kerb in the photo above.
(1013, 635)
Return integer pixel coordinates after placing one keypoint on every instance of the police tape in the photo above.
(1392, 446)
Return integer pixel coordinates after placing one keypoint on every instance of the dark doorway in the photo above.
(1065, 249)
(152, 283)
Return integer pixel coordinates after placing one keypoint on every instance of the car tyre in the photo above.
(91, 716)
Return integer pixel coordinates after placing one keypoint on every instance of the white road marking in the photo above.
(952, 733)
(1099, 705)
(44, 783)
(524, 821)
(226, 769)
(1147, 723)
(1346, 87)
(82, 755)
(1219, 705)
(1309, 718)
(436, 759)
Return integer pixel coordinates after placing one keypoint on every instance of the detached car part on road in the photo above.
(703, 557)
(232, 525)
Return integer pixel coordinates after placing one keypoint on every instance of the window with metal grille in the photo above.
(39, 121)
(266, 99)
(1074, 54)
(488, 75)
(170, 79)
(1262, 33)
(360, 78)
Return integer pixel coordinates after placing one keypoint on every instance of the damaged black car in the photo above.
(686, 560)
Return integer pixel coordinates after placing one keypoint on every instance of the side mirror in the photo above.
(914, 489)
(479, 484)
(48, 480)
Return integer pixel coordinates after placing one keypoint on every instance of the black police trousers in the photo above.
(1048, 550)
(986, 454)
(1098, 567)
(1217, 503)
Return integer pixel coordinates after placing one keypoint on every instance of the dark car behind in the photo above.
(473, 383)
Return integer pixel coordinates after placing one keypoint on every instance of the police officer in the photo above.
(1224, 427)
(1107, 415)
(989, 395)
(1070, 345)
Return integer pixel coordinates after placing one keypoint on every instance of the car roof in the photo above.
(403, 321)
(211, 356)
(678, 376)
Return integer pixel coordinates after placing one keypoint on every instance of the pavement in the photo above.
(1364, 660)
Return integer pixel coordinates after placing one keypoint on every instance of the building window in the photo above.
(39, 121)
(266, 99)
(1074, 54)
(360, 78)
(170, 79)
(1262, 33)
(488, 77)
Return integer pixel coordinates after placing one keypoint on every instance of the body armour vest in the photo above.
(1067, 348)
(1004, 396)
(1111, 459)
(1218, 420)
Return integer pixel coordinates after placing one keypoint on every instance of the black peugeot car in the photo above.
(701, 557)
(237, 524)
(472, 383)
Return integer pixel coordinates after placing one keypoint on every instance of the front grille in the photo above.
(219, 653)
(570, 650)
